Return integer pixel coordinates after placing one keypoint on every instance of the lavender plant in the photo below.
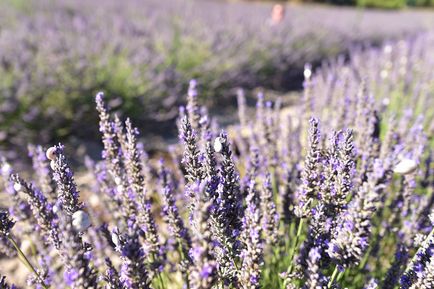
(335, 197)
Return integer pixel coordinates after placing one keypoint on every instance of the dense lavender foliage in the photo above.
(55, 54)
(336, 192)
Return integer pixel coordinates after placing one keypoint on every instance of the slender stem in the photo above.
(365, 259)
(294, 247)
(235, 264)
(181, 252)
(160, 279)
(274, 183)
(341, 274)
(27, 263)
(332, 279)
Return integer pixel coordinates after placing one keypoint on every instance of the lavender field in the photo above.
(56, 55)
(322, 178)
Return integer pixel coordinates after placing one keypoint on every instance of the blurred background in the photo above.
(56, 55)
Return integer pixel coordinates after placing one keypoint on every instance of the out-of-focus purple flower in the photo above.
(173, 218)
(270, 217)
(252, 252)
(112, 277)
(204, 271)
(193, 109)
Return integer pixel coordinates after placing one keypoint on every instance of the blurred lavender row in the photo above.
(54, 55)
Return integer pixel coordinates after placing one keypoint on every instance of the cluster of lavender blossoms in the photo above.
(334, 192)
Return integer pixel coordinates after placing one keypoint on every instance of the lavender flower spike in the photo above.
(314, 277)
(6, 224)
(66, 188)
(79, 270)
(252, 253)
(310, 174)
(270, 217)
(42, 210)
(230, 194)
(112, 277)
(137, 185)
(420, 267)
(204, 271)
(193, 109)
(134, 274)
(191, 157)
(173, 218)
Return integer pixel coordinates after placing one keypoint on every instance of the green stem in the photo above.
(294, 247)
(365, 259)
(274, 183)
(341, 274)
(160, 279)
(181, 252)
(332, 279)
(27, 263)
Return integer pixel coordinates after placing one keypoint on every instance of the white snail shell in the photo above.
(80, 221)
(17, 187)
(218, 146)
(55, 209)
(118, 180)
(53, 165)
(405, 166)
(51, 153)
(115, 239)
